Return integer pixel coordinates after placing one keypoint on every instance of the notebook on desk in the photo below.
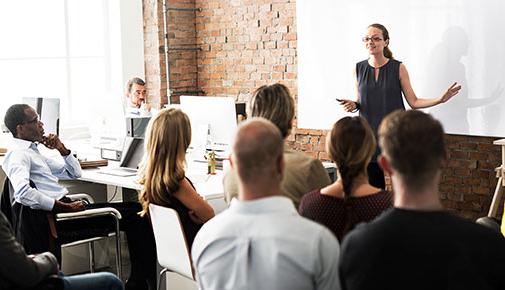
(133, 151)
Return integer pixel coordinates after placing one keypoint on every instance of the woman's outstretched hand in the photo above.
(451, 92)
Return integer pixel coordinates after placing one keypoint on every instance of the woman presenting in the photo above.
(380, 82)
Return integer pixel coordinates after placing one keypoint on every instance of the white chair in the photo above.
(171, 245)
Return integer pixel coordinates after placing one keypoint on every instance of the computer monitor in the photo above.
(49, 112)
(136, 127)
(213, 121)
(133, 152)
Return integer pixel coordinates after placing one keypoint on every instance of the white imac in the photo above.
(49, 112)
(213, 123)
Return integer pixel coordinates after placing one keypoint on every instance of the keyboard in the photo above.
(118, 171)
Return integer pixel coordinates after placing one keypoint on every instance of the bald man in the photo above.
(261, 242)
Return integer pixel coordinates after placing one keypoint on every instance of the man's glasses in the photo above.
(34, 121)
(373, 39)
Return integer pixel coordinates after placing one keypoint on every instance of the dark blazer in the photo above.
(17, 270)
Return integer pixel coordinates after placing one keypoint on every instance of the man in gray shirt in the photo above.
(261, 242)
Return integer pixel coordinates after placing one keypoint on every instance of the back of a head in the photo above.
(351, 144)
(167, 139)
(14, 116)
(413, 141)
(275, 104)
(256, 150)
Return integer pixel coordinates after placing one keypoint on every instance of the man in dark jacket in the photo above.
(19, 271)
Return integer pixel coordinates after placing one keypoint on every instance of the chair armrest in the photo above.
(78, 196)
(89, 213)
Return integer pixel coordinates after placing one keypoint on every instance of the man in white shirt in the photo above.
(136, 99)
(34, 179)
(261, 242)
(24, 163)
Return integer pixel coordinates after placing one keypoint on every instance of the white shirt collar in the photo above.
(22, 144)
(263, 205)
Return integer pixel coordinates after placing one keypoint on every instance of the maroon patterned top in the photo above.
(334, 213)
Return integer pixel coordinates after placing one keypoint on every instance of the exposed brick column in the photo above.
(153, 52)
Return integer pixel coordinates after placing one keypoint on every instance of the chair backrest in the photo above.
(5, 201)
(171, 245)
(31, 227)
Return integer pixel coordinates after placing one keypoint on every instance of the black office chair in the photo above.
(37, 230)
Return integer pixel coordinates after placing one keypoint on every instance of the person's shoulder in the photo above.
(310, 228)
(382, 196)
(371, 231)
(309, 200)
(473, 230)
(315, 238)
(186, 185)
(299, 158)
(362, 63)
(218, 224)
(395, 61)
(214, 228)
(311, 195)
(16, 155)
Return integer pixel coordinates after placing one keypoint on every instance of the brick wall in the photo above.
(182, 49)
(155, 72)
(245, 44)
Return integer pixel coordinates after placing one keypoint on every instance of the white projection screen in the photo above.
(439, 41)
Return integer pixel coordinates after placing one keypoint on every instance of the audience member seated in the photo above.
(303, 173)
(136, 99)
(418, 245)
(351, 199)
(261, 242)
(24, 165)
(163, 176)
(19, 271)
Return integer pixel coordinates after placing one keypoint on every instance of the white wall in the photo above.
(439, 41)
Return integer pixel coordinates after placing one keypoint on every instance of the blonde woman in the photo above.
(351, 199)
(163, 176)
(303, 173)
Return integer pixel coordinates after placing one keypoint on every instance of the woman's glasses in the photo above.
(373, 39)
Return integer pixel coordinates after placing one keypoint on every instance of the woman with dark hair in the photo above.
(380, 82)
(351, 199)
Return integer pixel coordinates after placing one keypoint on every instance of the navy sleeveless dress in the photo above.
(381, 97)
(377, 99)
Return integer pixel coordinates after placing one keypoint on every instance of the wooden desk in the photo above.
(500, 174)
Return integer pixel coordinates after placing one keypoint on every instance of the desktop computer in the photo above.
(49, 112)
(213, 124)
(136, 127)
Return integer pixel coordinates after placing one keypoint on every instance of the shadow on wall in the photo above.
(445, 67)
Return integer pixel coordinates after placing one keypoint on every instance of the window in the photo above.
(73, 50)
